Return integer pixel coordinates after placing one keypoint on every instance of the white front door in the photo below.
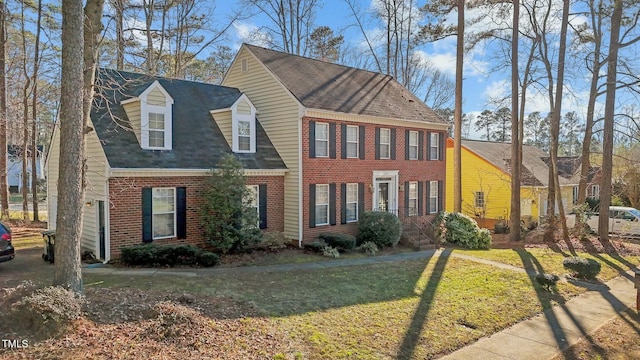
(385, 194)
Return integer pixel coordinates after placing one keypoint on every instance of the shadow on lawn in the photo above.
(533, 267)
(412, 335)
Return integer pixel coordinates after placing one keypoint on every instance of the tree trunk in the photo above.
(25, 124)
(457, 116)
(516, 168)
(34, 118)
(609, 113)
(4, 190)
(119, 7)
(67, 270)
(555, 123)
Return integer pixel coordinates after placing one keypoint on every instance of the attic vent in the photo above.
(245, 66)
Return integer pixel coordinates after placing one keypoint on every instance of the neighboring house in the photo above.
(14, 167)
(154, 143)
(353, 140)
(486, 181)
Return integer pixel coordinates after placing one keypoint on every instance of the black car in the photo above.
(7, 252)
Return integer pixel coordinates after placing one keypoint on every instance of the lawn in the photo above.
(409, 309)
(550, 261)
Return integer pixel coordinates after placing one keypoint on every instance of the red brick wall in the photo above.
(327, 170)
(125, 211)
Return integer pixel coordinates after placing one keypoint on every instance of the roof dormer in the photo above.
(151, 117)
(243, 120)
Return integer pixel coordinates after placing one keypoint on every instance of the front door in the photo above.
(385, 191)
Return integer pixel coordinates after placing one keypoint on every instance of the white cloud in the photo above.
(250, 33)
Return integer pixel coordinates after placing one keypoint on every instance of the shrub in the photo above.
(380, 227)
(47, 312)
(165, 255)
(547, 280)
(208, 259)
(272, 241)
(315, 246)
(582, 267)
(459, 229)
(329, 251)
(368, 248)
(339, 241)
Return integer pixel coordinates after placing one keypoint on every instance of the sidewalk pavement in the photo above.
(541, 337)
(553, 331)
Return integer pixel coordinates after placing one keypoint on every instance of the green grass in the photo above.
(410, 309)
(26, 243)
(549, 261)
(18, 215)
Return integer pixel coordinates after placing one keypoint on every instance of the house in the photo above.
(486, 181)
(320, 144)
(353, 140)
(14, 167)
(153, 144)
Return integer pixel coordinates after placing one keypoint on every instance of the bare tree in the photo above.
(34, 113)
(609, 112)
(26, 92)
(516, 141)
(457, 117)
(4, 191)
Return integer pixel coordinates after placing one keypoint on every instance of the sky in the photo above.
(481, 80)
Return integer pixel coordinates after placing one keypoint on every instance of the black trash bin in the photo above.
(49, 245)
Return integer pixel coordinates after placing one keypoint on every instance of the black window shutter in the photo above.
(406, 144)
(262, 205)
(428, 191)
(420, 198)
(332, 203)
(377, 143)
(420, 145)
(440, 195)
(428, 146)
(360, 199)
(406, 198)
(181, 213)
(332, 140)
(361, 142)
(312, 205)
(147, 215)
(343, 140)
(312, 139)
(441, 146)
(343, 203)
(393, 144)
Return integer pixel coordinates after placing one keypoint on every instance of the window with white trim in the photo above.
(413, 198)
(575, 195)
(413, 145)
(244, 135)
(243, 121)
(433, 197)
(155, 118)
(595, 191)
(479, 199)
(434, 147)
(156, 130)
(352, 141)
(164, 213)
(322, 140)
(322, 204)
(385, 143)
(352, 202)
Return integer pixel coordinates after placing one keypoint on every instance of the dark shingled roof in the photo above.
(197, 142)
(327, 86)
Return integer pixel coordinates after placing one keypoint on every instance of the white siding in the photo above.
(279, 114)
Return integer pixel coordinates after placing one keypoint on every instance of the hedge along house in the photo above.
(153, 145)
(353, 140)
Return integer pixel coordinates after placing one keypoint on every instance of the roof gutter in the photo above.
(133, 172)
(335, 115)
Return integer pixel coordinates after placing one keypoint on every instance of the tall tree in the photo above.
(516, 142)
(34, 113)
(4, 191)
(67, 271)
(609, 113)
(324, 45)
(457, 136)
(26, 93)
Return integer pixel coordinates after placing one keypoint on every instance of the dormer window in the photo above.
(155, 117)
(243, 117)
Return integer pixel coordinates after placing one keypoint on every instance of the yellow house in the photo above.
(486, 181)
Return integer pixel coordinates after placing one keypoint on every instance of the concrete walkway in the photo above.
(541, 337)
